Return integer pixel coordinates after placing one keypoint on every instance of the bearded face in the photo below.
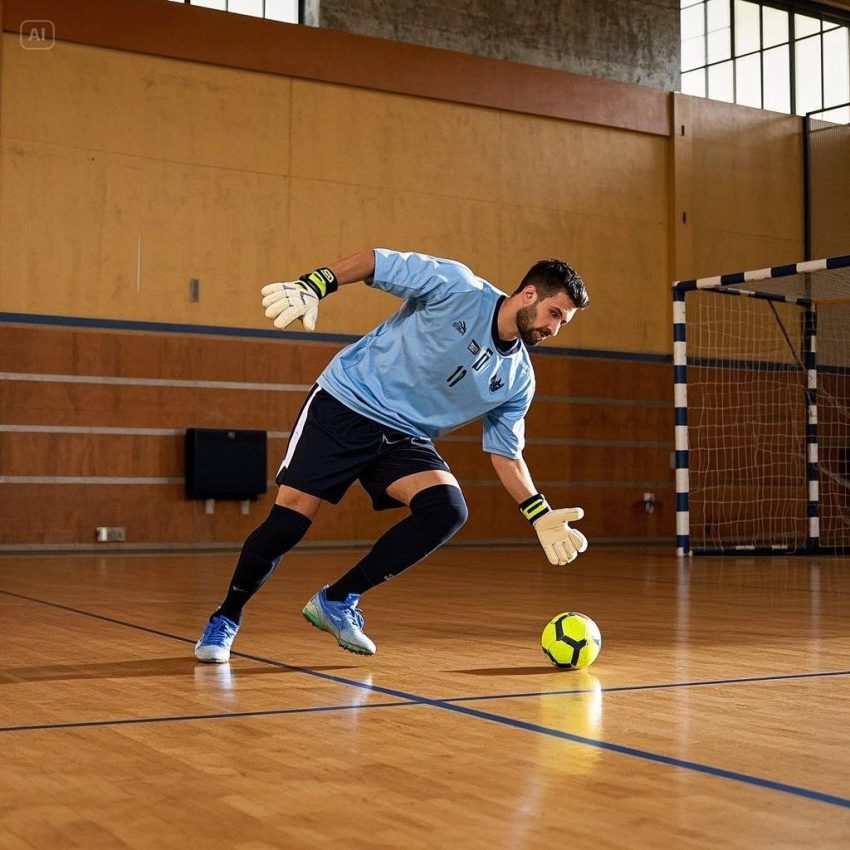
(530, 332)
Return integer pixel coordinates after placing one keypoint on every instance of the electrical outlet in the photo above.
(111, 533)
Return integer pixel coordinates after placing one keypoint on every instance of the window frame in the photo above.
(824, 14)
(300, 9)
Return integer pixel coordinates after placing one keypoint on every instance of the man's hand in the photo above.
(287, 301)
(561, 543)
(298, 299)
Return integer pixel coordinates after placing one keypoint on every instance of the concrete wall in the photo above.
(633, 41)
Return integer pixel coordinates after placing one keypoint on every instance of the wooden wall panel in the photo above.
(129, 233)
(278, 175)
(569, 463)
(829, 189)
(175, 356)
(39, 515)
(49, 430)
(158, 514)
(623, 261)
(435, 148)
(607, 378)
(87, 455)
(134, 406)
(747, 188)
(601, 422)
(131, 406)
(213, 112)
(161, 456)
(340, 219)
(611, 514)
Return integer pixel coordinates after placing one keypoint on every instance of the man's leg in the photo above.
(437, 511)
(283, 528)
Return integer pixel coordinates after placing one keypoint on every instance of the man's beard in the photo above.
(525, 318)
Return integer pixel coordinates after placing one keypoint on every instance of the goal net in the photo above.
(762, 394)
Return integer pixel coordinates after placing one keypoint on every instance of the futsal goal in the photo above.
(762, 405)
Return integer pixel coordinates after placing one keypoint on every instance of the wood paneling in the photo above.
(605, 377)
(134, 406)
(217, 117)
(607, 480)
(87, 455)
(38, 514)
(174, 356)
(569, 463)
(747, 188)
(611, 513)
(57, 350)
(29, 402)
(161, 456)
(159, 513)
(601, 422)
(237, 178)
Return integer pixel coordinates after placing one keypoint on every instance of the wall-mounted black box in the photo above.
(225, 464)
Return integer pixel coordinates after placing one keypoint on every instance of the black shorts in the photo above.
(331, 447)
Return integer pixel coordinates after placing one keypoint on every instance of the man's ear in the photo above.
(529, 293)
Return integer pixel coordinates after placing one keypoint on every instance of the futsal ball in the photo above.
(571, 640)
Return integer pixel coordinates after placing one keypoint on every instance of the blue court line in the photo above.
(665, 686)
(646, 755)
(226, 715)
(708, 770)
(271, 712)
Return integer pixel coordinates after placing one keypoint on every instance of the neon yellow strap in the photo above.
(320, 282)
(534, 507)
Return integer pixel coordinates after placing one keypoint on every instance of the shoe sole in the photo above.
(212, 660)
(350, 647)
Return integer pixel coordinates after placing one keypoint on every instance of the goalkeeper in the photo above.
(454, 352)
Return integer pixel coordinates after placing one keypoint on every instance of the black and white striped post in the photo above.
(680, 401)
(729, 284)
(810, 336)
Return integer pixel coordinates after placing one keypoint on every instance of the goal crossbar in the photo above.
(762, 274)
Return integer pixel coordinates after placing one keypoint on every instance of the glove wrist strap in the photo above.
(534, 507)
(321, 282)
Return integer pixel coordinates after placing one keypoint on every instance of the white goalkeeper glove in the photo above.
(298, 299)
(561, 543)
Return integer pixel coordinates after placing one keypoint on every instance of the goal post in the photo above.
(761, 365)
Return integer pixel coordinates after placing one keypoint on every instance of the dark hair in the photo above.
(552, 276)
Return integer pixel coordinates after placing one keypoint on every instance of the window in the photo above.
(785, 55)
(273, 10)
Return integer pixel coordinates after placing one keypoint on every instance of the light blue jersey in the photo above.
(437, 363)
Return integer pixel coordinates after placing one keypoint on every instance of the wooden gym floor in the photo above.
(716, 715)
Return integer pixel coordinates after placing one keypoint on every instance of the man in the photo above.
(454, 352)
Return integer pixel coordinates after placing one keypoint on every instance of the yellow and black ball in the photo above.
(571, 640)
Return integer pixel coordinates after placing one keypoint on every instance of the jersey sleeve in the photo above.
(412, 275)
(504, 426)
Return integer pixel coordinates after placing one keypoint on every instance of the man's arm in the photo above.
(561, 543)
(359, 266)
(515, 477)
(299, 299)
